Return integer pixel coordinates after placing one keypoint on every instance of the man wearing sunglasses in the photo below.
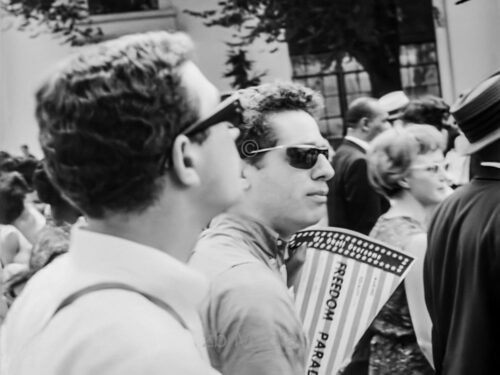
(250, 320)
(133, 139)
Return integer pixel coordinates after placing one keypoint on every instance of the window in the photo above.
(419, 69)
(340, 86)
(308, 71)
(120, 6)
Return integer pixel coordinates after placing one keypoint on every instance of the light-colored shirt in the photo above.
(251, 324)
(111, 331)
(30, 222)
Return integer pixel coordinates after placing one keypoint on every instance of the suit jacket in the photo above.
(462, 278)
(352, 202)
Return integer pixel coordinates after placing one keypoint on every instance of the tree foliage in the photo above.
(331, 29)
(240, 68)
(68, 19)
(316, 26)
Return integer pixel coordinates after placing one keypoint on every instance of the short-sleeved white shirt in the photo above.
(108, 331)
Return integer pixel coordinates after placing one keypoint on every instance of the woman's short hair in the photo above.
(392, 153)
(13, 190)
(429, 110)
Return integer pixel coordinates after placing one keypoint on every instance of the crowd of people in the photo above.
(152, 236)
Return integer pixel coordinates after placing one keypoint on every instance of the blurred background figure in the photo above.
(352, 202)
(3, 302)
(25, 166)
(394, 103)
(14, 247)
(15, 209)
(52, 240)
(407, 166)
(433, 110)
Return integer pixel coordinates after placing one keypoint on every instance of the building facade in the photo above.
(460, 51)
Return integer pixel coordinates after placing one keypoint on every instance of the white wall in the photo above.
(24, 60)
(469, 49)
(211, 50)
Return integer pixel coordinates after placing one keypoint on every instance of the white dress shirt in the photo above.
(109, 331)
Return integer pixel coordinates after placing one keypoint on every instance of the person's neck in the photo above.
(29, 217)
(173, 229)
(357, 133)
(244, 208)
(406, 205)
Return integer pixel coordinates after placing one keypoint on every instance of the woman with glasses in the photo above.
(406, 165)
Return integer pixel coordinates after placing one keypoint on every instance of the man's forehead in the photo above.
(295, 127)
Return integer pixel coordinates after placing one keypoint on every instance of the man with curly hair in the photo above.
(133, 137)
(250, 321)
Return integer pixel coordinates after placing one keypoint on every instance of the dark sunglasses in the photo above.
(229, 110)
(300, 156)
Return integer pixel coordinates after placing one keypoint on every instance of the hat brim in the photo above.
(470, 148)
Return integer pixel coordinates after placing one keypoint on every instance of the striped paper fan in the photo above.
(346, 280)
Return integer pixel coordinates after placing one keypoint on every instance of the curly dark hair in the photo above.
(13, 190)
(429, 110)
(259, 102)
(109, 115)
(23, 165)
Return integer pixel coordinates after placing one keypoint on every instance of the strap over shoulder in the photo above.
(116, 285)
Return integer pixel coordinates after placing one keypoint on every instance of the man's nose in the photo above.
(323, 169)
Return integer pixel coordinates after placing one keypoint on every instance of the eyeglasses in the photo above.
(229, 110)
(300, 156)
(432, 167)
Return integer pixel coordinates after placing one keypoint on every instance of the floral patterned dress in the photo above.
(394, 348)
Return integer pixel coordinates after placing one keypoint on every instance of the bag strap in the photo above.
(115, 285)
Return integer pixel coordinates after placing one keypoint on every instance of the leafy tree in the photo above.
(331, 29)
(240, 69)
(68, 19)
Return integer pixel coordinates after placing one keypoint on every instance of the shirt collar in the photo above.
(363, 144)
(110, 258)
(265, 238)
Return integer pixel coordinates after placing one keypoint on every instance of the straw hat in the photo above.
(478, 114)
(394, 103)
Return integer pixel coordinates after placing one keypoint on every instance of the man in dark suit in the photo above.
(352, 202)
(462, 263)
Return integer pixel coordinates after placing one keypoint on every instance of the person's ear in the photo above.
(184, 161)
(247, 172)
(404, 183)
(364, 124)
